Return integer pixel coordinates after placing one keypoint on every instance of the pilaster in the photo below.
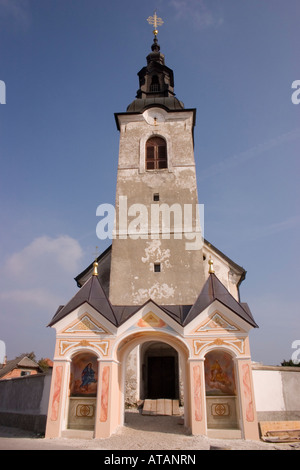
(247, 400)
(197, 406)
(58, 406)
(107, 415)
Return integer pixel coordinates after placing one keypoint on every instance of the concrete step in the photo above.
(224, 433)
(77, 434)
(161, 407)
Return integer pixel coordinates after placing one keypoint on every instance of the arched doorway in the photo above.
(221, 390)
(83, 391)
(159, 377)
(154, 350)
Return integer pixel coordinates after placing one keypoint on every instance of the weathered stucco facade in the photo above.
(158, 315)
(135, 252)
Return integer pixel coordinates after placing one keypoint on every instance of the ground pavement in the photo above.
(139, 433)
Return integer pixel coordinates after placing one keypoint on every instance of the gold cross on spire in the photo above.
(155, 21)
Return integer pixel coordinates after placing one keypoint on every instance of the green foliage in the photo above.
(31, 355)
(289, 363)
(44, 365)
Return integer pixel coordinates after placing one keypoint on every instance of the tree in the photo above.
(31, 355)
(44, 364)
(290, 363)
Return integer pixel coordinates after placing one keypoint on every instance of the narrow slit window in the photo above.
(156, 154)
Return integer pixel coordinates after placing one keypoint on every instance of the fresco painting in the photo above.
(248, 393)
(197, 393)
(56, 394)
(84, 376)
(219, 374)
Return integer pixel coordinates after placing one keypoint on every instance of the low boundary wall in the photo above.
(24, 402)
(277, 392)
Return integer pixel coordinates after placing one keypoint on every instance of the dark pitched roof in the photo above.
(22, 361)
(88, 270)
(105, 258)
(92, 293)
(214, 290)
(177, 312)
(229, 260)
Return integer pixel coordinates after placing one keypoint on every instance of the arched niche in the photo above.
(221, 390)
(83, 391)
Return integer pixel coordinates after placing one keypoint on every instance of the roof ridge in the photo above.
(207, 297)
(212, 283)
(106, 298)
(229, 293)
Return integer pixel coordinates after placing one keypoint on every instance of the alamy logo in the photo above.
(296, 95)
(296, 354)
(2, 351)
(2, 92)
(157, 221)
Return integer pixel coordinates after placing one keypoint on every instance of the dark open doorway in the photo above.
(159, 371)
(161, 377)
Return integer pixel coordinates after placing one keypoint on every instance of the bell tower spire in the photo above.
(156, 80)
(157, 245)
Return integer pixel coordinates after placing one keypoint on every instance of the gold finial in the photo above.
(155, 21)
(211, 266)
(95, 264)
(95, 270)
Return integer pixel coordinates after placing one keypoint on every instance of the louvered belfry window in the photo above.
(156, 154)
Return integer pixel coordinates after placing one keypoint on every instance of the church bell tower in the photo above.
(157, 245)
(161, 320)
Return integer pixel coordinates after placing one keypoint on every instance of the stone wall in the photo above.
(131, 382)
(24, 402)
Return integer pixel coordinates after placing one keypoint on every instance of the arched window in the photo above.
(156, 154)
(154, 84)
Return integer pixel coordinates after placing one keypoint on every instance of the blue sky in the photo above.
(68, 66)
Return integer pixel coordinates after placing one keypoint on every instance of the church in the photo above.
(157, 320)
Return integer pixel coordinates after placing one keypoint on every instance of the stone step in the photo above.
(161, 407)
(77, 434)
(224, 433)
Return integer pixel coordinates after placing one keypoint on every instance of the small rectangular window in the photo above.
(156, 197)
(24, 372)
(157, 267)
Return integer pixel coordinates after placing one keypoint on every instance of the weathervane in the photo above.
(155, 21)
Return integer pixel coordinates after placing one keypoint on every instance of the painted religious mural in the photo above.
(83, 380)
(219, 374)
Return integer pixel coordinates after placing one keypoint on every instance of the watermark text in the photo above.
(296, 354)
(154, 221)
(296, 94)
(2, 351)
(2, 92)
